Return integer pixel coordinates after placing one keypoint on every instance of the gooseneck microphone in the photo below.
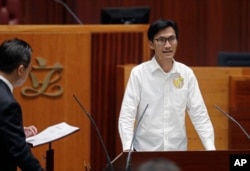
(231, 118)
(110, 166)
(128, 164)
(69, 10)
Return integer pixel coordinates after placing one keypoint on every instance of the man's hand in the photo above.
(30, 131)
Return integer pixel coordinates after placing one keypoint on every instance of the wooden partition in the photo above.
(61, 68)
(80, 60)
(214, 84)
(240, 111)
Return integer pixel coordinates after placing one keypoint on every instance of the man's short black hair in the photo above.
(13, 53)
(159, 25)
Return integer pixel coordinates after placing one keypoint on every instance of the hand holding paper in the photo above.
(52, 133)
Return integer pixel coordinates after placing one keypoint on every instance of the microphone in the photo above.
(230, 117)
(110, 166)
(128, 164)
(69, 10)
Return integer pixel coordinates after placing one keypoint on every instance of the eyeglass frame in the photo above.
(171, 40)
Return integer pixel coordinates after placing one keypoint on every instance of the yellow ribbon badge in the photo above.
(178, 81)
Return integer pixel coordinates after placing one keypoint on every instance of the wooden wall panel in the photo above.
(239, 110)
(108, 51)
(206, 27)
(106, 47)
(214, 85)
(41, 110)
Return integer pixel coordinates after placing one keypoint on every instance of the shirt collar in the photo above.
(155, 66)
(7, 82)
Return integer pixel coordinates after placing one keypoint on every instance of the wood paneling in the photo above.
(90, 61)
(239, 110)
(109, 50)
(206, 27)
(42, 111)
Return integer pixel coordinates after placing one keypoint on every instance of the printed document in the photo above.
(52, 133)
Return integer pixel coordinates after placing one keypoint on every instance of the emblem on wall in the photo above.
(44, 80)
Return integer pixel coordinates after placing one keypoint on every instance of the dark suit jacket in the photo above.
(14, 151)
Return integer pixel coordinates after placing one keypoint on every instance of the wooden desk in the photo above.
(186, 160)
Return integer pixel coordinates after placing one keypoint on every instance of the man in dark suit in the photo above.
(15, 66)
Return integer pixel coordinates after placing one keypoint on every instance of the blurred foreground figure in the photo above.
(158, 165)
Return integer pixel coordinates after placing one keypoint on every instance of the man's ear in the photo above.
(20, 69)
(150, 44)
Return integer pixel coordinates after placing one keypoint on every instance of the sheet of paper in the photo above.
(51, 133)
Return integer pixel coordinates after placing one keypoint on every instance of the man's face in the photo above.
(164, 44)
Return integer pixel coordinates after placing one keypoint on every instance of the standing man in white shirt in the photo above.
(170, 88)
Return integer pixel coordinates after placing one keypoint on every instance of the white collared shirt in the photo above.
(7, 82)
(168, 95)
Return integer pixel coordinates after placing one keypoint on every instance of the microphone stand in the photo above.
(69, 10)
(128, 164)
(109, 163)
(50, 158)
(232, 119)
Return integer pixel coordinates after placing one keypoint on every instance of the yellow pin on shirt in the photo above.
(178, 81)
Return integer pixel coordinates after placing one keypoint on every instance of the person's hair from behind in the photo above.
(159, 164)
(13, 53)
(159, 25)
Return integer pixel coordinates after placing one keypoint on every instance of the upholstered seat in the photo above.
(10, 12)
